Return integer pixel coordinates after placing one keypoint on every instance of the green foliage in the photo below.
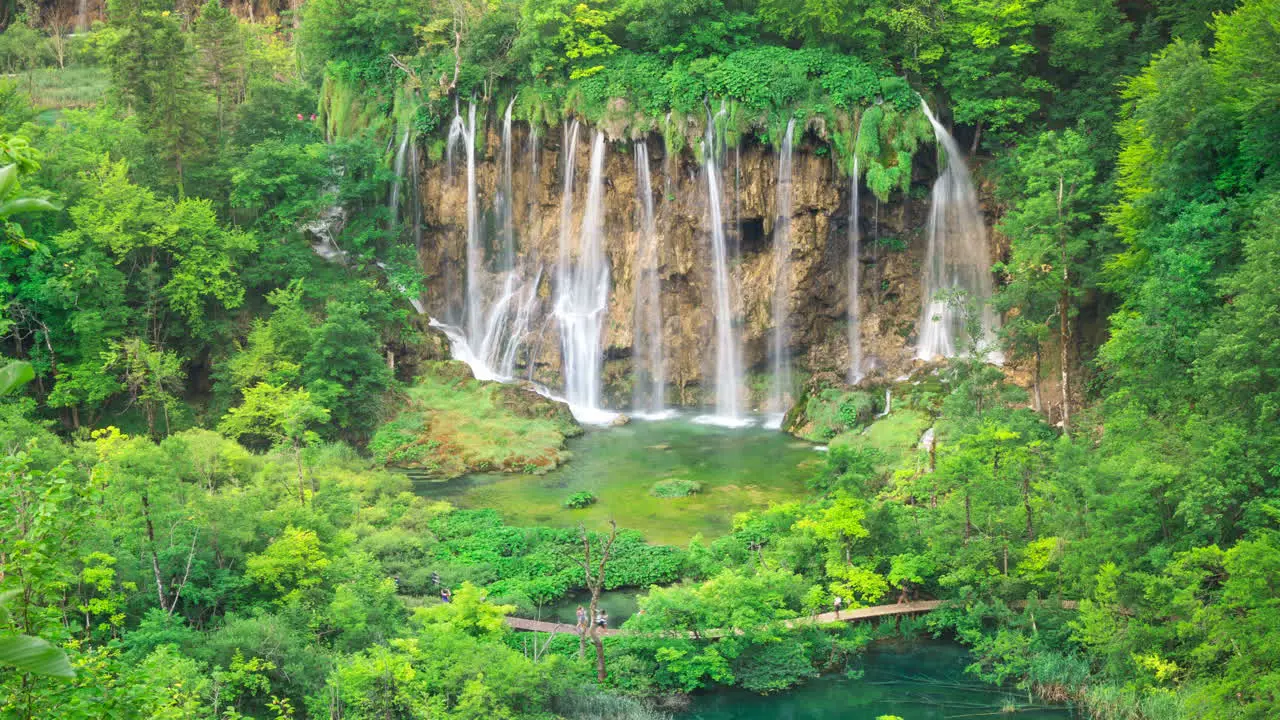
(579, 500)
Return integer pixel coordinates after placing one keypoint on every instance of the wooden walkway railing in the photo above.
(866, 613)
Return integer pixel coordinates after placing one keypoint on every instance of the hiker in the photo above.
(582, 618)
(445, 595)
(396, 580)
(837, 602)
(602, 619)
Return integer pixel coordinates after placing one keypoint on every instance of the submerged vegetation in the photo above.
(212, 357)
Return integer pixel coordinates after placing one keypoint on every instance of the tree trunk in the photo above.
(302, 483)
(1064, 329)
(1064, 320)
(1035, 382)
(151, 539)
(968, 515)
(600, 673)
(1026, 503)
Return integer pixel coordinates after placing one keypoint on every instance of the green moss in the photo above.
(896, 436)
(824, 413)
(453, 424)
(738, 470)
(675, 488)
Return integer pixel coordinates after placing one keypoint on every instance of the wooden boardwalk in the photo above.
(866, 613)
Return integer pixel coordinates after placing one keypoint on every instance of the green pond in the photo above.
(914, 680)
(739, 469)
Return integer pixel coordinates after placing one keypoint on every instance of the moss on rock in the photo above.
(452, 424)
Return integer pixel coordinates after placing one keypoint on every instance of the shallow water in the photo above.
(915, 680)
(739, 469)
(619, 604)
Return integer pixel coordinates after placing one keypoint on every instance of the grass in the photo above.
(77, 86)
(453, 424)
(896, 436)
(675, 488)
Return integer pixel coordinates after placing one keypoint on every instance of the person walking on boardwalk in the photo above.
(837, 602)
(582, 617)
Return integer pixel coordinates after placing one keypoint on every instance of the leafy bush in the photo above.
(675, 488)
(579, 500)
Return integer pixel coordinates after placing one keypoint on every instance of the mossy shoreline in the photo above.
(451, 424)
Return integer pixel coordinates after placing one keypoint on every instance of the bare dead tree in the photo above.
(594, 575)
(59, 23)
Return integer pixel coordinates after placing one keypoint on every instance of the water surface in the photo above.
(738, 468)
(915, 680)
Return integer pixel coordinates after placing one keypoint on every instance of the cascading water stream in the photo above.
(728, 368)
(855, 281)
(957, 260)
(402, 154)
(504, 207)
(780, 345)
(474, 312)
(582, 292)
(650, 370)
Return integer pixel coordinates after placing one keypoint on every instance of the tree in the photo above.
(1050, 231)
(221, 48)
(344, 369)
(151, 376)
(279, 416)
(153, 71)
(593, 578)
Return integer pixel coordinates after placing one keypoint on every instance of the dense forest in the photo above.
(205, 416)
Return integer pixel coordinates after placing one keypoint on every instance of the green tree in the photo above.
(344, 369)
(279, 416)
(1050, 227)
(221, 47)
(153, 72)
(151, 376)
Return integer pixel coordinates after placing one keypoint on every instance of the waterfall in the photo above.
(474, 313)
(855, 281)
(728, 365)
(402, 153)
(582, 293)
(957, 259)
(781, 339)
(504, 207)
(325, 229)
(650, 370)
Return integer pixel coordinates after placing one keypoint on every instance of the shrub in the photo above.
(675, 488)
(579, 500)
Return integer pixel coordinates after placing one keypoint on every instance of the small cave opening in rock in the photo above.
(751, 236)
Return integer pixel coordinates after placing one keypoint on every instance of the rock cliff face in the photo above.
(892, 244)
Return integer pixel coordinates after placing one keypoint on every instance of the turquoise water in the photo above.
(915, 680)
(619, 604)
(738, 469)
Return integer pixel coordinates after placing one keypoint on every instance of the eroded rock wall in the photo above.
(893, 245)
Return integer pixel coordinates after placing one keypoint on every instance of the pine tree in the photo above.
(221, 56)
(153, 72)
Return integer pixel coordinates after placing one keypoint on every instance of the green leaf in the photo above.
(8, 178)
(15, 375)
(25, 205)
(33, 655)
